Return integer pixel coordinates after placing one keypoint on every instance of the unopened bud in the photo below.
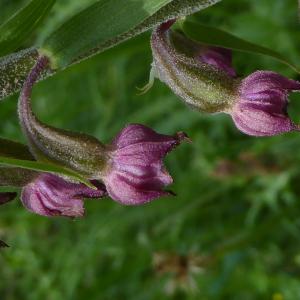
(201, 76)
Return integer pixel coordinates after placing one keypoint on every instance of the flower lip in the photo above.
(136, 174)
(261, 109)
(50, 195)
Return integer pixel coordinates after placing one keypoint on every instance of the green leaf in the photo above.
(107, 23)
(13, 149)
(42, 167)
(100, 22)
(20, 26)
(217, 37)
(17, 155)
(77, 39)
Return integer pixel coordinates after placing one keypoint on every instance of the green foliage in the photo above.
(18, 28)
(106, 23)
(17, 155)
(92, 30)
(43, 167)
(216, 37)
(237, 210)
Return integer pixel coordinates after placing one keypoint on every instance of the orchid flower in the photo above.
(131, 167)
(43, 193)
(205, 79)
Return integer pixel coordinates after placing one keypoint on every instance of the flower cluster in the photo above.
(130, 169)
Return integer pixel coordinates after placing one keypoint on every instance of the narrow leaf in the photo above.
(42, 167)
(217, 37)
(100, 22)
(77, 39)
(12, 176)
(13, 149)
(102, 26)
(20, 26)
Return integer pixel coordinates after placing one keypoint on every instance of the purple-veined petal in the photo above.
(50, 195)
(261, 109)
(136, 174)
(220, 58)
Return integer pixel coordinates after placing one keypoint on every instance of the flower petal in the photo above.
(260, 81)
(137, 174)
(261, 109)
(257, 122)
(50, 195)
(221, 58)
(127, 191)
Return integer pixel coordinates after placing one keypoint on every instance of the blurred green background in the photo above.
(232, 232)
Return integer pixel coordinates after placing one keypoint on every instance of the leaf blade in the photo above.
(112, 26)
(17, 155)
(12, 149)
(42, 167)
(19, 27)
(216, 37)
(13, 68)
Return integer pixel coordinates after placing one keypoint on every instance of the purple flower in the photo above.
(131, 167)
(220, 58)
(44, 193)
(135, 173)
(202, 76)
(205, 79)
(261, 106)
(50, 195)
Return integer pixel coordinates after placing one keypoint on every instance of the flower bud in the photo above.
(201, 76)
(43, 193)
(50, 195)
